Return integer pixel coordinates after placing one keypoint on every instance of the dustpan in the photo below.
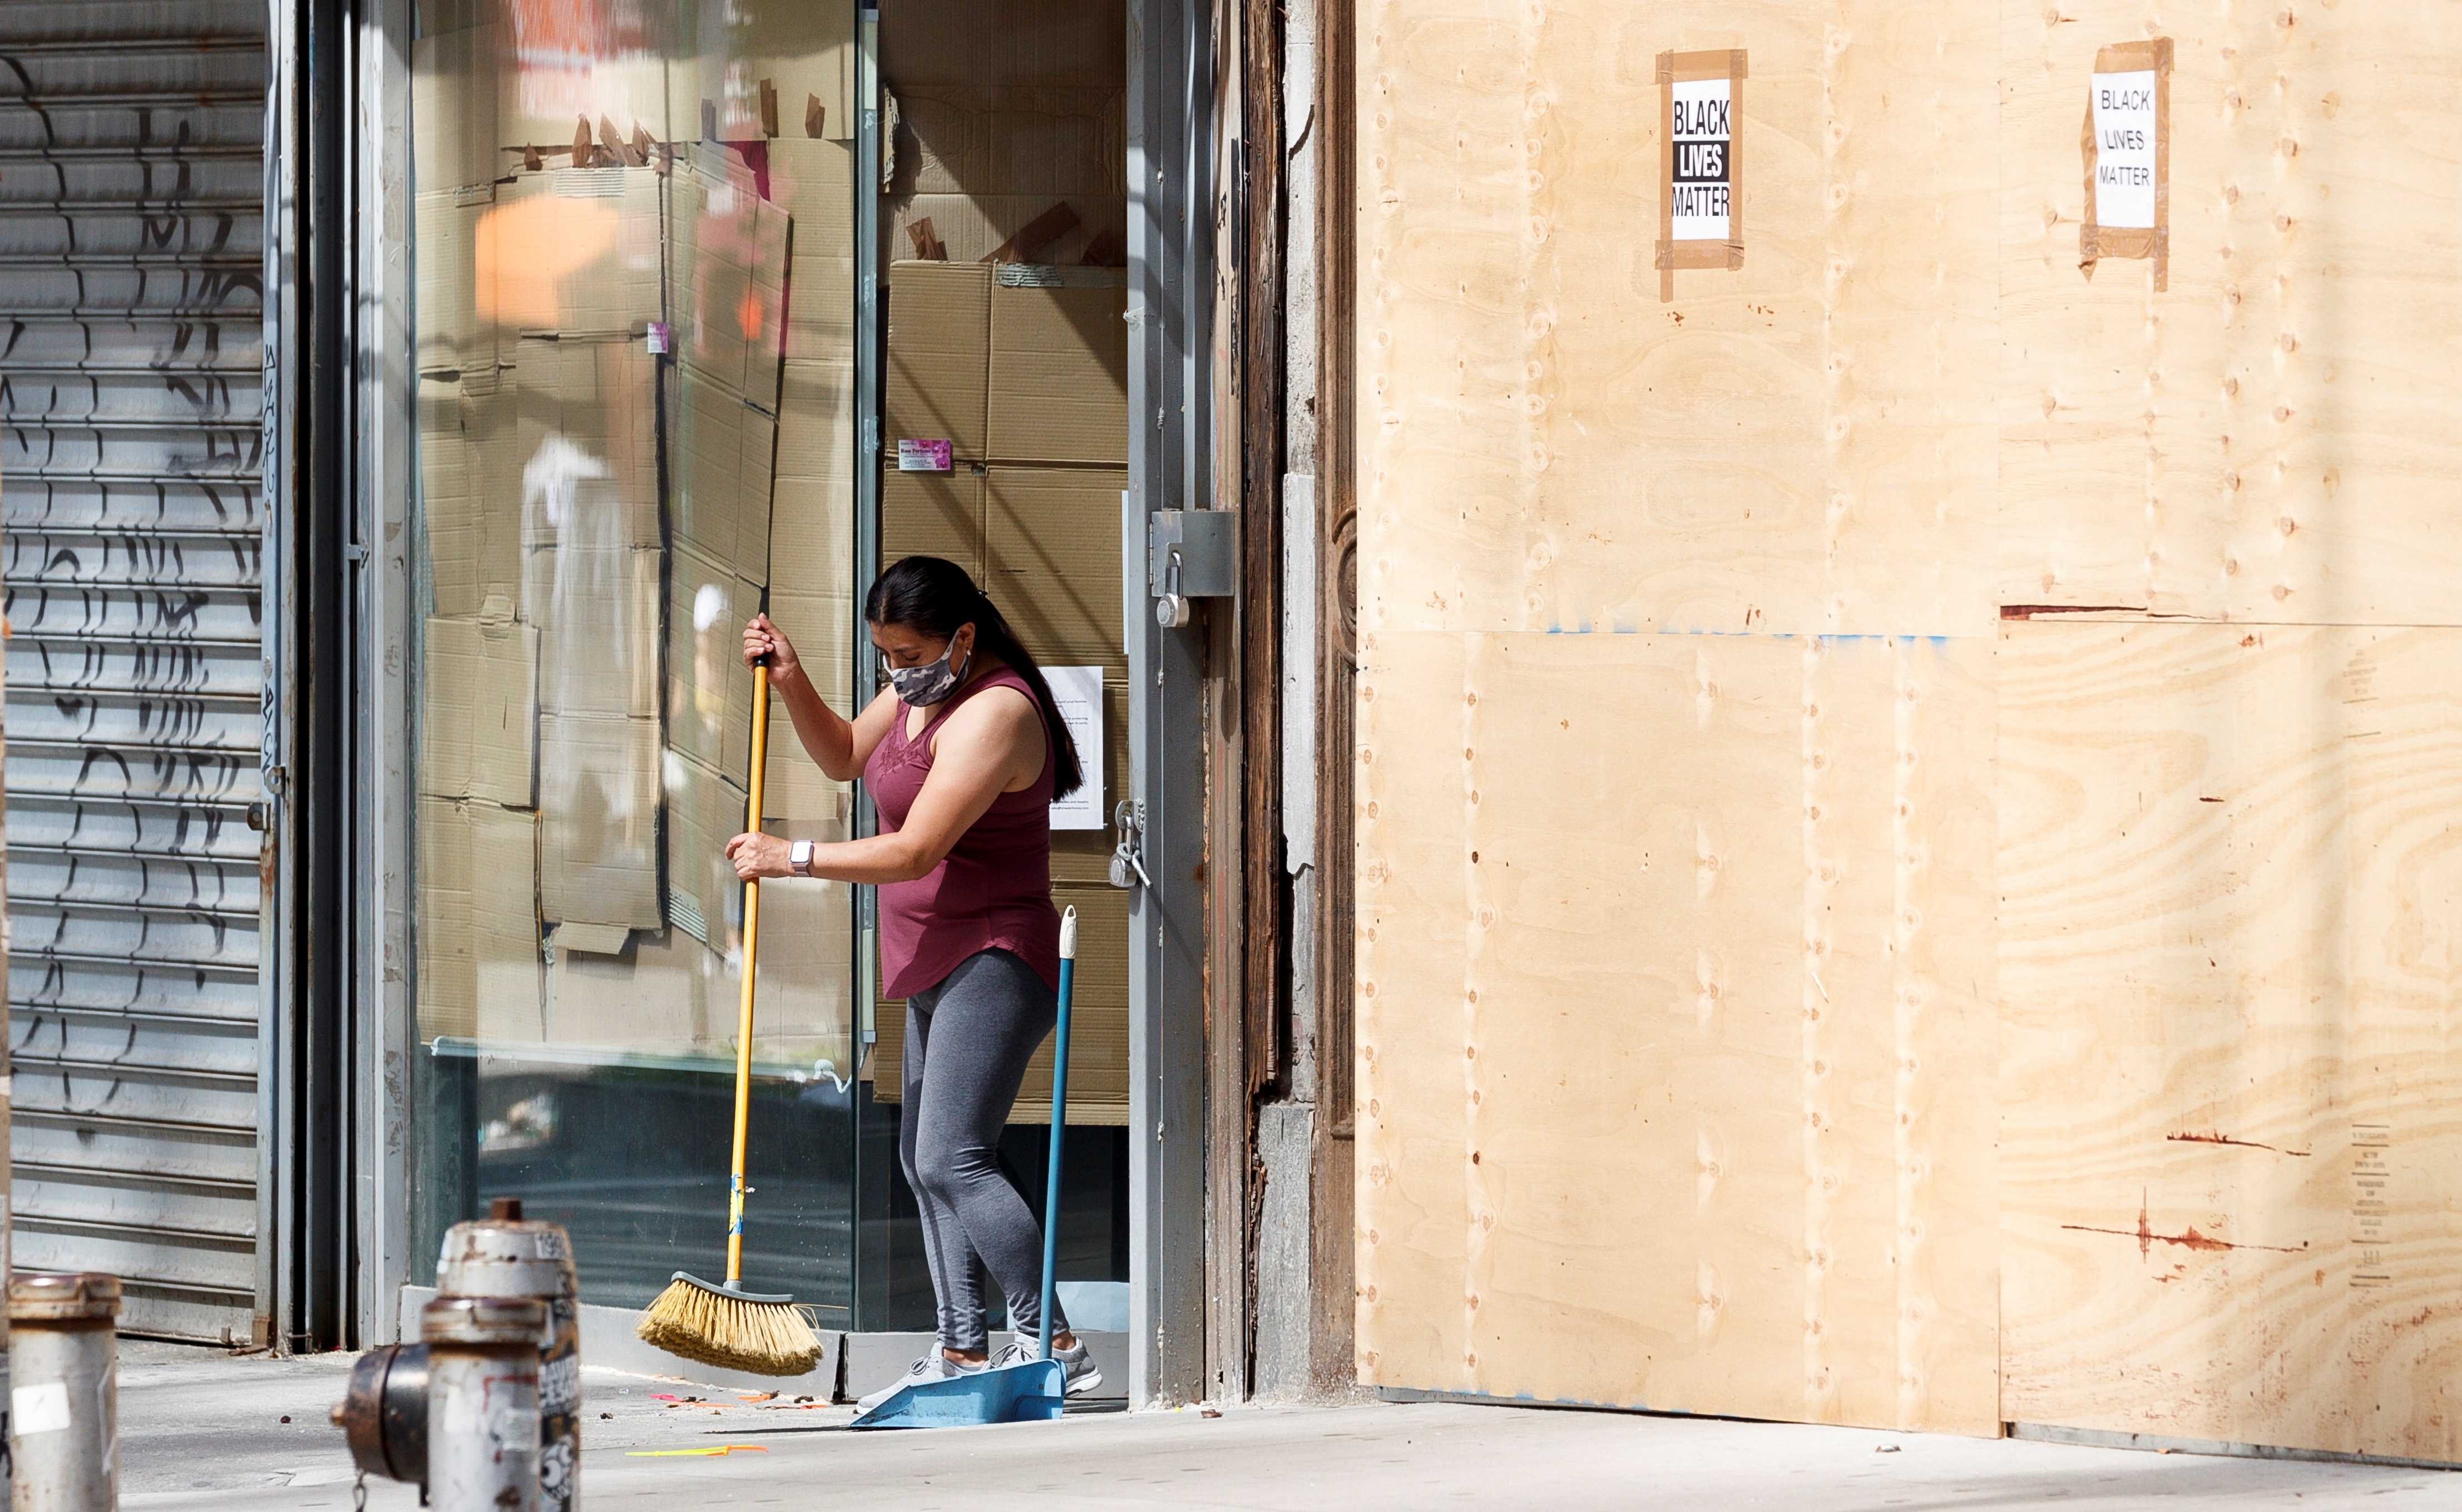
(1030, 1390)
(1027, 1392)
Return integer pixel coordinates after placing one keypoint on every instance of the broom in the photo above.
(723, 1324)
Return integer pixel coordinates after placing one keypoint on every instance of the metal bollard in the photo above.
(64, 1397)
(483, 1415)
(505, 1256)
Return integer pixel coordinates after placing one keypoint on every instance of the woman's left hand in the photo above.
(758, 855)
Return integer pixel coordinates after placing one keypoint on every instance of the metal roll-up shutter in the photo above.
(131, 296)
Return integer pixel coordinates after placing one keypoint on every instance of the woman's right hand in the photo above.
(761, 640)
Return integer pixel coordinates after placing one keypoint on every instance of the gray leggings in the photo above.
(967, 1043)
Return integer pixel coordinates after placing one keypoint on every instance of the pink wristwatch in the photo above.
(799, 858)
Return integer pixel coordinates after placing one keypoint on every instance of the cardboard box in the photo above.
(599, 820)
(1039, 43)
(940, 356)
(597, 615)
(970, 227)
(586, 439)
(1055, 142)
(811, 534)
(724, 451)
(710, 689)
(1052, 561)
(454, 335)
(705, 810)
(934, 514)
(453, 88)
(1059, 386)
(479, 711)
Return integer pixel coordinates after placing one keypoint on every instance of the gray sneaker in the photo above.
(934, 1365)
(1076, 1362)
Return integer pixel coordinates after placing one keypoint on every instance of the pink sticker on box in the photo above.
(923, 456)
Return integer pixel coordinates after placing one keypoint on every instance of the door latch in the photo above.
(1129, 821)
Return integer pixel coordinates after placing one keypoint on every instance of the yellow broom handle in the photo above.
(751, 954)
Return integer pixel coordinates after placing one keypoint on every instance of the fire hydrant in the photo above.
(483, 1405)
(385, 1412)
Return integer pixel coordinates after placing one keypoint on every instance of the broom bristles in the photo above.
(733, 1333)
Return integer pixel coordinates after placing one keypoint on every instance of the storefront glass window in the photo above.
(633, 232)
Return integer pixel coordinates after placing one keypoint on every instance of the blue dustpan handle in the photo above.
(1058, 1128)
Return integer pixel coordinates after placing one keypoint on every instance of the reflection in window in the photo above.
(635, 263)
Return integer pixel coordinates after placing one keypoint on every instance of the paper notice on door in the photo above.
(1078, 692)
(1703, 136)
(2123, 149)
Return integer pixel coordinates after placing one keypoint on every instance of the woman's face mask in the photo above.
(921, 687)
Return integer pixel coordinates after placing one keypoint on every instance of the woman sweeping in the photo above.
(964, 754)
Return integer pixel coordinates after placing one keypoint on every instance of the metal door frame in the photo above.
(1172, 126)
(339, 159)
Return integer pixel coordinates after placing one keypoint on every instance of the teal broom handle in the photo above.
(1059, 1123)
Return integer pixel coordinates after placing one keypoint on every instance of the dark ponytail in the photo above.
(936, 597)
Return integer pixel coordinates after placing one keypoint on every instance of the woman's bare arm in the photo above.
(993, 745)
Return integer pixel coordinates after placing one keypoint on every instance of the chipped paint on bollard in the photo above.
(64, 1397)
(483, 1402)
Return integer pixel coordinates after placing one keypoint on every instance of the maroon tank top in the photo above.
(993, 890)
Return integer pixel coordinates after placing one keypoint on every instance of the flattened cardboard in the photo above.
(2097, 242)
(705, 810)
(968, 227)
(1674, 68)
(725, 450)
(811, 540)
(504, 925)
(596, 610)
(448, 984)
(709, 690)
(1041, 43)
(816, 436)
(452, 334)
(934, 514)
(815, 181)
(731, 249)
(822, 627)
(587, 440)
(448, 506)
(479, 712)
(1059, 383)
(573, 251)
(599, 821)
(453, 108)
(940, 355)
(1052, 565)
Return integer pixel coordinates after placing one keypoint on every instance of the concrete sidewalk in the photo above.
(199, 1429)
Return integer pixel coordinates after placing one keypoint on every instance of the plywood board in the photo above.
(1670, 950)
(2232, 907)
(2267, 439)
(1804, 443)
